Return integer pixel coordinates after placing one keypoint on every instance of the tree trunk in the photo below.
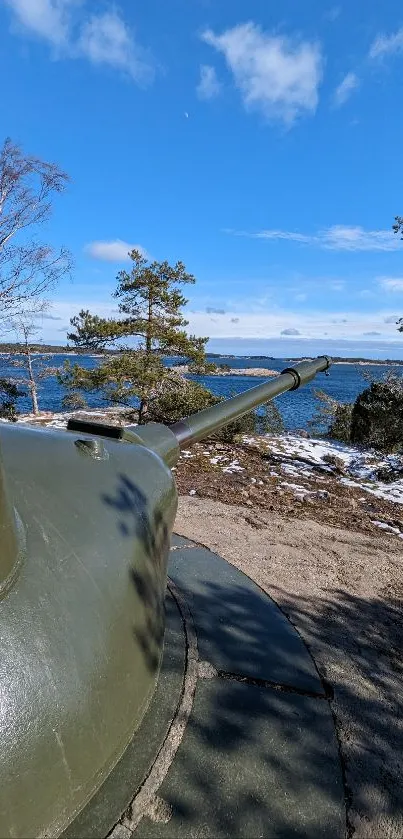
(32, 385)
(150, 320)
(143, 411)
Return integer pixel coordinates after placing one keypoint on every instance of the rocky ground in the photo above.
(290, 474)
(299, 478)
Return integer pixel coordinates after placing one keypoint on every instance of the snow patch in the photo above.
(303, 457)
(389, 528)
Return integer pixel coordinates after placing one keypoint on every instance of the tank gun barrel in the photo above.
(206, 422)
(167, 440)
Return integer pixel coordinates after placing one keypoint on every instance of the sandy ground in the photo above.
(343, 592)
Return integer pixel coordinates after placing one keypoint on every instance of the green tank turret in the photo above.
(85, 524)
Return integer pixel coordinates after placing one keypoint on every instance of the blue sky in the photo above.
(258, 142)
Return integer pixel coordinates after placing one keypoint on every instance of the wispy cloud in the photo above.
(275, 75)
(106, 39)
(387, 44)
(290, 331)
(343, 92)
(338, 237)
(209, 86)
(212, 311)
(394, 284)
(48, 19)
(391, 319)
(114, 251)
(103, 38)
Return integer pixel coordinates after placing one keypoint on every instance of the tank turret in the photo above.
(86, 518)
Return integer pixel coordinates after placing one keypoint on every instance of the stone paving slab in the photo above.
(259, 755)
(254, 762)
(239, 628)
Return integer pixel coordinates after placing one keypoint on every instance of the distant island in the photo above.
(46, 349)
(57, 349)
(339, 359)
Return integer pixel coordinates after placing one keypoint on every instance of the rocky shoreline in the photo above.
(233, 371)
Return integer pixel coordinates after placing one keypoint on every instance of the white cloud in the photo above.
(345, 89)
(208, 86)
(47, 18)
(275, 75)
(387, 44)
(106, 39)
(392, 284)
(338, 237)
(103, 38)
(114, 251)
(305, 324)
(241, 323)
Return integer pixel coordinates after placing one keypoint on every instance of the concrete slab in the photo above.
(254, 762)
(257, 758)
(239, 628)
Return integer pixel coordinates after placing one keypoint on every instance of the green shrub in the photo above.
(177, 400)
(331, 417)
(73, 401)
(9, 393)
(375, 419)
(340, 426)
(187, 397)
(377, 415)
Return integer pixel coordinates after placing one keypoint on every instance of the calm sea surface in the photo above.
(344, 383)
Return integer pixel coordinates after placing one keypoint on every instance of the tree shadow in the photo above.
(260, 756)
(259, 760)
(147, 529)
(357, 643)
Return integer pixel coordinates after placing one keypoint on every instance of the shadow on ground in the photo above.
(357, 643)
(259, 757)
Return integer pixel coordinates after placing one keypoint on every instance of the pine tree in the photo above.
(150, 302)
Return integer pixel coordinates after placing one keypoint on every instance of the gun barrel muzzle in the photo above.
(206, 422)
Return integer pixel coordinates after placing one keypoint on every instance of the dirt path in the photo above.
(343, 591)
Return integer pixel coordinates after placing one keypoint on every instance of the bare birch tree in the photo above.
(28, 268)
